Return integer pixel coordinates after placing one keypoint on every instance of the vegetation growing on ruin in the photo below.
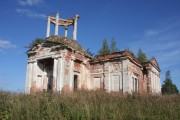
(35, 42)
(113, 46)
(105, 49)
(141, 56)
(88, 105)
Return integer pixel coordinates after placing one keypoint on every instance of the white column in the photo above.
(75, 27)
(137, 85)
(55, 70)
(28, 77)
(151, 82)
(156, 84)
(34, 76)
(48, 27)
(159, 90)
(59, 74)
(159, 83)
(125, 74)
(62, 74)
(57, 24)
(45, 79)
(65, 31)
(72, 72)
(109, 79)
(31, 75)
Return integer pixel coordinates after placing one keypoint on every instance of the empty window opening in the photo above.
(135, 84)
(97, 83)
(115, 83)
(75, 82)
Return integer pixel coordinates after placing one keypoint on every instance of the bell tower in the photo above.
(57, 21)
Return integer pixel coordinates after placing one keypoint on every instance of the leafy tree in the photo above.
(35, 42)
(105, 48)
(113, 46)
(141, 56)
(168, 87)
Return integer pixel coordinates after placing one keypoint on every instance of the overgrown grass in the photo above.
(88, 105)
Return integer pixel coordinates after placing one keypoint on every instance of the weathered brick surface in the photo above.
(66, 89)
(87, 68)
(33, 87)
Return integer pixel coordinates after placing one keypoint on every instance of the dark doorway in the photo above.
(50, 82)
(75, 82)
(46, 67)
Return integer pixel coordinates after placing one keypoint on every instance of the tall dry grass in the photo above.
(88, 105)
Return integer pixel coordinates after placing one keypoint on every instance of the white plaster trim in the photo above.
(72, 72)
(55, 70)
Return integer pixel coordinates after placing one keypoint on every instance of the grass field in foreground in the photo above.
(88, 105)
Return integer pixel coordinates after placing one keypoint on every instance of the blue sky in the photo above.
(152, 25)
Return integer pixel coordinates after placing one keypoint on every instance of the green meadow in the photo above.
(88, 105)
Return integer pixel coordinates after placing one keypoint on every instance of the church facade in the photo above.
(60, 64)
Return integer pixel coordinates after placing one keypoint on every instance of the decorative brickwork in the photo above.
(61, 64)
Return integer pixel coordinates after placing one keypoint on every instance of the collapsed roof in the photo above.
(63, 42)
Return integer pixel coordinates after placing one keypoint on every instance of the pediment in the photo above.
(154, 62)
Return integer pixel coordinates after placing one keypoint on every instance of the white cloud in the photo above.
(151, 32)
(163, 42)
(30, 2)
(6, 44)
(30, 13)
(162, 29)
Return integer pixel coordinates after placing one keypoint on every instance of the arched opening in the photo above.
(45, 73)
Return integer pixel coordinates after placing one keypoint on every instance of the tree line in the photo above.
(105, 49)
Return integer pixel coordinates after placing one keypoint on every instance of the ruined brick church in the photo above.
(61, 64)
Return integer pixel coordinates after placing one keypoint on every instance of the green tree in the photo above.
(113, 46)
(89, 52)
(35, 42)
(168, 87)
(105, 48)
(131, 52)
(141, 56)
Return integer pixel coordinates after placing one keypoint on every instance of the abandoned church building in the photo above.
(61, 64)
